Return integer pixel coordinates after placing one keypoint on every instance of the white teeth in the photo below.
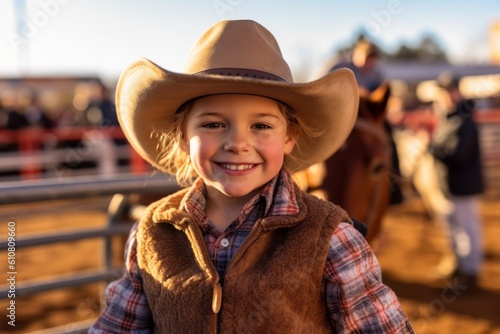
(236, 167)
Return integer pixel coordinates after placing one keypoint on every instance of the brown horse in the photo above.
(357, 176)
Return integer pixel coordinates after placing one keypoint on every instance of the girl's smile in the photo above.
(237, 169)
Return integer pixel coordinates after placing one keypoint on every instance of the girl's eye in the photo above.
(212, 125)
(262, 126)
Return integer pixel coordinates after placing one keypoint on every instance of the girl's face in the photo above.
(236, 142)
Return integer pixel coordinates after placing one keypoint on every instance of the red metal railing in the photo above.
(30, 144)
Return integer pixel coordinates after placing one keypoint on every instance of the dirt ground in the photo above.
(410, 249)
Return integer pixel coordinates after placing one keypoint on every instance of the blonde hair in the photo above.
(171, 154)
(174, 158)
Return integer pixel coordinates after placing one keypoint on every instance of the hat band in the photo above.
(242, 72)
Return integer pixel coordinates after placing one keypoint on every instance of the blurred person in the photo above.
(3, 116)
(101, 112)
(103, 107)
(12, 120)
(100, 109)
(9, 120)
(11, 116)
(73, 115)
(91, 107)
(35, 114)
(93, 112)
(104, 103)
(16, 120)
(455, 143)
(365, 65)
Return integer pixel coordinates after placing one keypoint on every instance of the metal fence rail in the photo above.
(83, 186)
(38, 153)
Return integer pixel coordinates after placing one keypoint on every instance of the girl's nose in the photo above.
(236, 141)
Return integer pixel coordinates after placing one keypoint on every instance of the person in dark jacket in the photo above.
(455, 144)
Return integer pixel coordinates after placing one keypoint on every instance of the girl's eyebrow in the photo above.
(268, 117)
(264, 114)
(207, 113)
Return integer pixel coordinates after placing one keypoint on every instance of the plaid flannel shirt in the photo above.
(356, 298)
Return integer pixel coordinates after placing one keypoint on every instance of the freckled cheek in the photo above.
(272, 141)
(200, 150)
(272, 151)
(266, 139)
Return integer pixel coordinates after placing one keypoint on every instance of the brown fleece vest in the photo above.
(273, 284)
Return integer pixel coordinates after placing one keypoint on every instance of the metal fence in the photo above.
(61, 152)
(119, 187)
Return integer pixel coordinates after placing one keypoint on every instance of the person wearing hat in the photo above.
(364, 64)
(455, 144)
(241, 248)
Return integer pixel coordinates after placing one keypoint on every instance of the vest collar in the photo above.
(168, 210)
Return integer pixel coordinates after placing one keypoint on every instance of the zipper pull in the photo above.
(217, 297)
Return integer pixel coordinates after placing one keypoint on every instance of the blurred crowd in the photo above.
(91, 106)
(73, 124)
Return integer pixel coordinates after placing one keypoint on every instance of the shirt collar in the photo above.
(278, 197)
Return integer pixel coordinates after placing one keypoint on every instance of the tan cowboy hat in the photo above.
(240, 57)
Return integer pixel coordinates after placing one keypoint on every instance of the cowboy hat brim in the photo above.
(147, 95)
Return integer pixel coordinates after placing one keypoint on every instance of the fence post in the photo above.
(116, 210)
(137, 163)
(29, 143)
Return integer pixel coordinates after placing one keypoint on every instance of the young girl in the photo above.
(242, 249)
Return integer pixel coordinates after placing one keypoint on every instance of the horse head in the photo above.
(357, 175)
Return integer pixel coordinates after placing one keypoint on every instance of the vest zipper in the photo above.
(217, 297)
(216, 304)
(219, 314)
(194, 234)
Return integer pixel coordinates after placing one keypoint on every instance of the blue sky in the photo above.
(103, 36)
